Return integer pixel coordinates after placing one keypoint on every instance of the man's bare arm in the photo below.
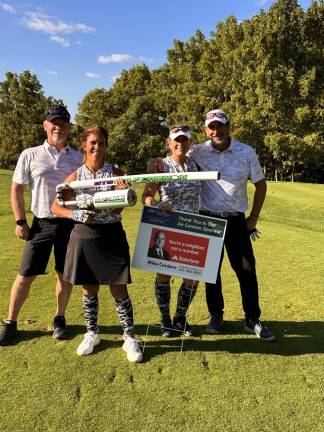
(18, 208)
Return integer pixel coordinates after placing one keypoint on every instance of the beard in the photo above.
(58, 138)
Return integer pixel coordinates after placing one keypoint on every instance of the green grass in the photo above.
(229, 382)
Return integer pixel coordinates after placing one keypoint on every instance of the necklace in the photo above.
(176, 165)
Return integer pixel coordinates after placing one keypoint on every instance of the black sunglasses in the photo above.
(180, 129)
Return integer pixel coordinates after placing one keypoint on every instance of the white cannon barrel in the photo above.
(114, 199)
(146, 178)
(109, 199)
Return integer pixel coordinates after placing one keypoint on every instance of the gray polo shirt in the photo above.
(43, 168)
(237, 165)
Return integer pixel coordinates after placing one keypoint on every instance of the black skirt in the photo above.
(98, 254)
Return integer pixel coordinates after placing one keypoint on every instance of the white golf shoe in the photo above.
(89, 342)
(133, 348)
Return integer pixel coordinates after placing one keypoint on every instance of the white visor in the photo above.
(174, 135)
(216, 115)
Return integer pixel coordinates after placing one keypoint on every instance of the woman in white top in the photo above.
(98, 251)
(181, 196)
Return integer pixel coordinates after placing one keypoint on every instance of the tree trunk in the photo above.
(293, 172)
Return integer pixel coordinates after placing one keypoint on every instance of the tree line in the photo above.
(265, 72)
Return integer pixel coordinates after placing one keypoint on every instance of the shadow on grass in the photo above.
(74, 331)
(292, 338)
(27, 335)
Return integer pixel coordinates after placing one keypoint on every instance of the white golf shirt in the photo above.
(237, 165)
(43, 168)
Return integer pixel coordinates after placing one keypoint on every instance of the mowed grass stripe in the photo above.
(228, 382)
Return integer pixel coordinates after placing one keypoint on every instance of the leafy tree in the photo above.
(137, 135)
(22, 108)
(265, 72)
(94, 108)
(104, 106)
(131, 84)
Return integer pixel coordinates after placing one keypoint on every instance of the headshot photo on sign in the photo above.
(158, 248)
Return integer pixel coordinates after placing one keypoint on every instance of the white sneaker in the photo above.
(133, 349)
(89, 342)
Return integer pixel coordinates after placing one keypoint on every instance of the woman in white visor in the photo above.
(180, 196)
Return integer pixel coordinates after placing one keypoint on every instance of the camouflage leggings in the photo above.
(124, 310)
(185, 296)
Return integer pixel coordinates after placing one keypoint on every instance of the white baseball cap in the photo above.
(180, 131)
(216, 115)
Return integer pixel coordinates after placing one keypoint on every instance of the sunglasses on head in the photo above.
(180, 129)
(216, 116)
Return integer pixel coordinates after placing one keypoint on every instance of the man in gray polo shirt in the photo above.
(227, 199)
(42, 168)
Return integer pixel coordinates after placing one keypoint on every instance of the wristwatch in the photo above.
(21, 222)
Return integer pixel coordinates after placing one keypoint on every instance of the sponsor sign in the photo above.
(179, 244)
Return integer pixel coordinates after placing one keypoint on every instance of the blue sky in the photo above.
(75, 46)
